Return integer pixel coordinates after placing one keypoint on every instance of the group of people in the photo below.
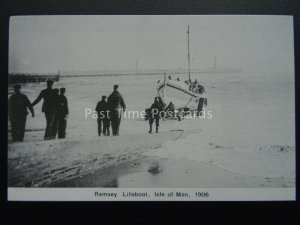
(55, 108)
(195, 87)
(159, 110)
(109, 112)
(154, 113)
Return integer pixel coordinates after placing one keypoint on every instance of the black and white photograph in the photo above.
(151, 107)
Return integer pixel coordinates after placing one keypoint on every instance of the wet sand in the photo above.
(183, 173)
(172, 173)
(46, 163)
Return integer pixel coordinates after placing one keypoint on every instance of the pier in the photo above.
(31, 78)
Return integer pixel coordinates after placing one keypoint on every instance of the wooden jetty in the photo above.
(31, 78)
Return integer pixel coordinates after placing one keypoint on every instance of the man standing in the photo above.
(63, 112)
(170, 110)
(116, 103)
(47, 108)
(56, 107)
(155, 113)
(17, 112)
(202, 101)
(102, 110)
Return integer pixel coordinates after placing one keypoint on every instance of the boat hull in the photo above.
(179, 94)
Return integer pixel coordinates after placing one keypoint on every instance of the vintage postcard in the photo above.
(151, 108)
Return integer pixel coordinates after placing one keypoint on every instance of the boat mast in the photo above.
(189, 69)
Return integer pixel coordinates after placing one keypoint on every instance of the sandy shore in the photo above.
(130, 162)
(183, 173)
(45, 163)
(171, 173)
(249, 142)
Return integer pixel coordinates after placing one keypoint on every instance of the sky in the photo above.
(47, 44)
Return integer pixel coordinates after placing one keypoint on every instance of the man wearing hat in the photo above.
(56, 106)
(63, 112)
(17, 112)
(116, 104)
(47, 108)
(102, 110)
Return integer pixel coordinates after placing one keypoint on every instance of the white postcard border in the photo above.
(151, 194)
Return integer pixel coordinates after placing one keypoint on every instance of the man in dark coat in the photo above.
(47, 108)
(17, 112)
(62, 113)
(102, 110)
(56, 106)
(202, 101)
(170, 110)
(116, 104)
(155, 112)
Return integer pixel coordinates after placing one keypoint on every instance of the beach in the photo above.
(249, 141)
